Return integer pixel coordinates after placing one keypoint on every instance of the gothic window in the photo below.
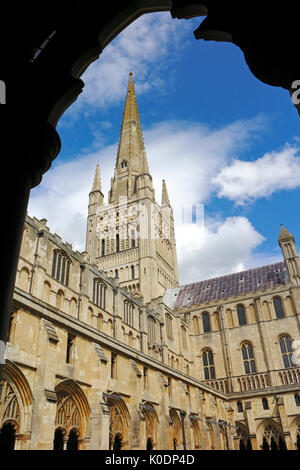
(241, 315)
(265, 404)
(99, 293)
(61, 267)
(285, 343)
(9, 412)
(103, 247)
(248, 358)
(128, 313)
(206, 322)
(151, 329)
(169, 329)
(117, 243)
(67, 420)
(239, 407)
(277, 302)
(113, 366)
(183, 335)
(145, 376)
(70, 348)
(132, 233)
(297, 399)
(123, 163)
(132, 272)
(208, 364)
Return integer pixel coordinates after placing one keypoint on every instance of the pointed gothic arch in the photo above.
(72, 413)
(270, 435)
(152, 423)
(175, 429)
(16, 401)
(119, 421)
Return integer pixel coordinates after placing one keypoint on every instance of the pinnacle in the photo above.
(97, 180)
(284, 234)
(164, 196)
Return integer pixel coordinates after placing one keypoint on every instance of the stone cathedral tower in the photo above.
(132, 237)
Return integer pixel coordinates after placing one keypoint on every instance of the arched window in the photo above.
(239, 407)
(206, 322)
(123, 163)
(169, 329)
(297, 399)
(208, 364)
(248, 358)
(277, 302)
(241, 315)
(196, 325)
(151, 329)
(61, 267)
(132, 272)
(117, 243)
(265, 403)
(183, 335)
(128, 313)
(285, 343)
(99, 293)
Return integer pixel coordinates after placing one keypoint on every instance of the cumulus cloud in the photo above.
(148, 47)
(245, 181)
(215, 249)
(172, 148)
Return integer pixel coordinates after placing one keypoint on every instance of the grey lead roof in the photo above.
(240, 283)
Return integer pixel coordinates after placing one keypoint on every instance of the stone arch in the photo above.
(295, 432)
(266, 310)
(119, 420)
(60, 299)
(269, 433)
(152, 423)
(175, 430)
(196, 432)
(16, 401)
(242, 432)
(229, 318)
(47, 291)
(72, 410)
(24, 278)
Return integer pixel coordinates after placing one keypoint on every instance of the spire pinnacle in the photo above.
(284, 234)
(97, 180)
(131, 159)
(165, 201)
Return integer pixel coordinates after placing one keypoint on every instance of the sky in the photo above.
(224, 142)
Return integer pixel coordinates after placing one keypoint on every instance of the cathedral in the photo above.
(107, 351)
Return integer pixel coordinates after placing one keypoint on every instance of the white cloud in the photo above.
(188, 155)
(245, 181)
(216, 249)
(147, 47)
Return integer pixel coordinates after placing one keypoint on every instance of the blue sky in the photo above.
(218, 135)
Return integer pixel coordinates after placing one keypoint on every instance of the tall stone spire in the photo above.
(131, 159)
(165, 201)
(97, 180)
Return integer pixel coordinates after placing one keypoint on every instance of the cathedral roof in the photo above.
(235, 284)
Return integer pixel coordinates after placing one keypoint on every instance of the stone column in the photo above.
(285, 424)
(104, 434)
(251, 426)
(33, 144)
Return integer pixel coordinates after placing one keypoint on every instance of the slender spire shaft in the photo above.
(131, 159)
(165, 201)
(97, 180)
